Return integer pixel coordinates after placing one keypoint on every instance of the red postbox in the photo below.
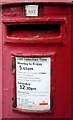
(36, 59)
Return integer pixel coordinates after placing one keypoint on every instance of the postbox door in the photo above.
(36, 63)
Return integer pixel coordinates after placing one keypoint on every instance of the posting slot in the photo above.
(34, 33)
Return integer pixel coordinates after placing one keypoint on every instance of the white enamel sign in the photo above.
(33, 83)
(31, 10)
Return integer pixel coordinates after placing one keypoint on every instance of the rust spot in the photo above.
(13, 66)
(14, 105)
(52, 103)
(12, 98)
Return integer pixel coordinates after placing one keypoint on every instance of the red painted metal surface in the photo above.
(13, 44)
(72, 60)
(0, 62)
(38, 1)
